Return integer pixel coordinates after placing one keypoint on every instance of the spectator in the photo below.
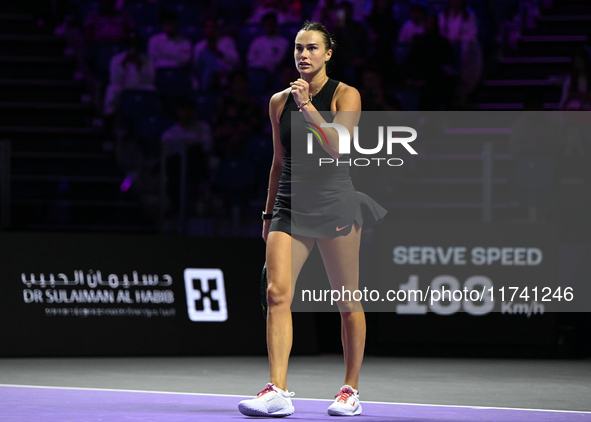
(293, 11)
(238, 116)
(354, 38)
(189, 140)
(107, 24)
(416, 24)
(382, 32)
(576, 90)
(286, 11)
(214, 57)
(267, 51)
(530, 11)
(326, 12)
(431, 67)
(374, 94)
(511, 26)
(361, 9)
(459, 26)
(187, 131)
(169, 49)
(130, 69)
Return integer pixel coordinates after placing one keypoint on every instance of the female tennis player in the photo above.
(329, 212)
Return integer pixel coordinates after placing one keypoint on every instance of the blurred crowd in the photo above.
(192, 78)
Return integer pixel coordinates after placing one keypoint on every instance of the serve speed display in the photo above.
(473, 268)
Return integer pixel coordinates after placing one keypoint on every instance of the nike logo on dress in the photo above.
(341, 228)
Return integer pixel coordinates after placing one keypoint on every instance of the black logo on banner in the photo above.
(212, 287)
(206, 297)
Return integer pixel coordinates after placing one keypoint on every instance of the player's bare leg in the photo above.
(341, 259)
(285, 257)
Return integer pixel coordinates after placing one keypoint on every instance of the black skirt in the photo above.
(323, 209)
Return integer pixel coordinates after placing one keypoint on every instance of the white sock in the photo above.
(356, 391)
(283, 392)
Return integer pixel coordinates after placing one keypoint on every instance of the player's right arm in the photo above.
(276, 105)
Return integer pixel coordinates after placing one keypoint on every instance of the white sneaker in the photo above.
(271, 401)
(346, 403)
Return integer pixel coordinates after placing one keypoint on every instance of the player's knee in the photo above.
(278, 295)
(349, 306)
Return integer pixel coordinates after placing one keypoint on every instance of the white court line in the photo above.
(300, 398)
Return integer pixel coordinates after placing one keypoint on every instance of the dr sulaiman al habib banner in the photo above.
(75, 294)
(204, 290)
(92, 288)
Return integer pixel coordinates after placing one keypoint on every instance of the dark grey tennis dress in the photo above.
(312, 200)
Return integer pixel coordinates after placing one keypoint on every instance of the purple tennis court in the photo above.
(419, 167)
(31, 404)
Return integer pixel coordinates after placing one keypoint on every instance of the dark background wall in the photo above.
(48, 328)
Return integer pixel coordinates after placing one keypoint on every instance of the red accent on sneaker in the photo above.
(268, 388)
(344, 395)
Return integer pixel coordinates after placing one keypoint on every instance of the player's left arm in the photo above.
(347, 114)
(348, 105)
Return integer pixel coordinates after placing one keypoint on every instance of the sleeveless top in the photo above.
(313, 200)
(305, 166)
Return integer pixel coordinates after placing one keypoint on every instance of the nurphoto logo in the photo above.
(386, 135)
